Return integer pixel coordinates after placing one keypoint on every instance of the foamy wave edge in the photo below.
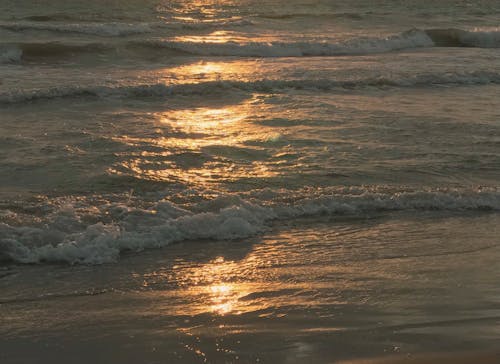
(365, 45)
(224, 218)
(213, 87)
(410, 39)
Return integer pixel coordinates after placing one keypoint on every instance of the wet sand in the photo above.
(330, 291)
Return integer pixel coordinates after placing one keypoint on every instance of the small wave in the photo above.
(411, 39)
(10, 54)
(34, 51)
(324, 15)
(264, 86)
(480, 38)
(225, 217)
(406, 40)
(100, 29)
(117, 29)
(177, 23)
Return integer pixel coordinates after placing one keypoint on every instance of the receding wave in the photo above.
(264, 86)
(65, 237)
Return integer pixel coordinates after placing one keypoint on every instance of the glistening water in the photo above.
(297, 179)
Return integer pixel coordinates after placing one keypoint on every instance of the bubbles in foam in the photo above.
(222, 218)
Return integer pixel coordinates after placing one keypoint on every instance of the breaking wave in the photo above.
(65, 237)
(214, 87)
(410, 39)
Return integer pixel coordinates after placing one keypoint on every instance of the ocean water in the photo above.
(355, 144)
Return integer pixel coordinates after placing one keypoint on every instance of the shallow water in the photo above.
(330, 158)
(312, 289)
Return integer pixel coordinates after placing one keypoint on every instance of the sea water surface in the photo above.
(321, 171)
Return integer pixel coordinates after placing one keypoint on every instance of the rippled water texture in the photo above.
(214, 181)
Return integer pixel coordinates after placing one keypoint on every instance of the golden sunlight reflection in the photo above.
(204, 119)
(214, 288)
(201, 145)
(195, 10)
(219, 36)
(206, 71)
(223, 298)
(255, 281)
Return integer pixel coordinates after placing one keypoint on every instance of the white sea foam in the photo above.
(226, 217)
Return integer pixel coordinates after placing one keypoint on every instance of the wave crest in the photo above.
(406, 40)
(116, 29)
(264, 86)
(101, 29)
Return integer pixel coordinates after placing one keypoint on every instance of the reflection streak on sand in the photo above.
(255, 283)
(212, 287)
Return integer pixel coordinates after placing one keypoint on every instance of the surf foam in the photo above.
(409, 39)
(64, 237)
